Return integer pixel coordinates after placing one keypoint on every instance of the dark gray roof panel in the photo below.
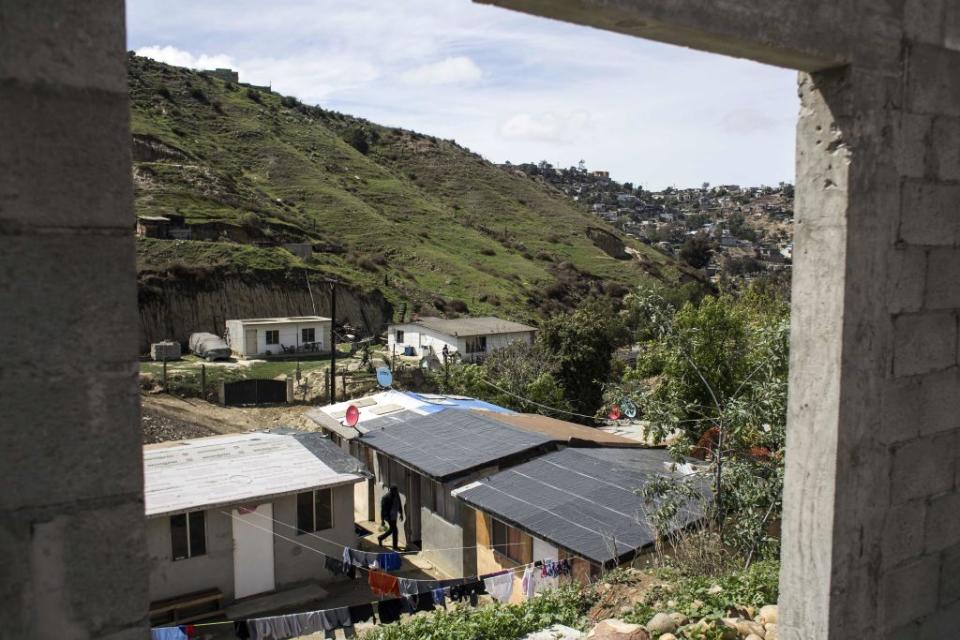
(449, 443)
(581, 499)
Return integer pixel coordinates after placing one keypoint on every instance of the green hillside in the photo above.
(429, 223)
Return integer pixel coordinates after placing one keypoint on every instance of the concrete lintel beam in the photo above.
(784, 34)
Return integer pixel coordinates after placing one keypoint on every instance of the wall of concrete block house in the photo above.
(871, 547)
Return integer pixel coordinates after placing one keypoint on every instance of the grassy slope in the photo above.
(418, 217)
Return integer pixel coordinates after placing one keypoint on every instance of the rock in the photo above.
(661, 623)
(671, 604)
(753, 636)
(668, 636)
(715, 589)
(618, 630)
(556, 632)
(678, 619)
(749, 627)
(768, 613)
(771, 629)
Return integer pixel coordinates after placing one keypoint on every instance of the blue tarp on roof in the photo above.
(436, 402)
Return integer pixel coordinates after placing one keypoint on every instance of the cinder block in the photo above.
(924, 342)
(923, 468)
(945, 147)
(943, 521)
(903, 532)
(933, 85)
(914, 142)
(65, 158)
(923, 21)
(950, 576)
(78, 437)
(943, 279)
(919, 406)
(69, 302)
(64, 43)
(909, 592)
(906, 278)
(88, 569)
(929, 214)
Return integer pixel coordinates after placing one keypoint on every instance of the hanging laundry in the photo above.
(361, 612)
(336, 618)
(500, 586)
(389, 610)
(407, 586)
(275, 627)
(439, 597)
(167, 633)
(456, 593)
(473, 591)
(389, 561)
(364, 559)
(241, 630)
(528, 583)
(347, 561)
(189, 629)
(424, 602)
(311, 622)
(383, 584)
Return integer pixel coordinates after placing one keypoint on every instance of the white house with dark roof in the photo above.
(253, 337)
(470, 337)
(222, 512)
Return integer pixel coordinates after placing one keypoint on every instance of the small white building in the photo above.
(470, 337)
(228, 517)
(252, 337)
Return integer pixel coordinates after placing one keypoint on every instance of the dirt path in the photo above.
(166, 417)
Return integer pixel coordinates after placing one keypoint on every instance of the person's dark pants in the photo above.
(391, 531)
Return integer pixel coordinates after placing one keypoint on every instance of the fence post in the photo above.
(164, 375)
(326, 382)
(203, 382)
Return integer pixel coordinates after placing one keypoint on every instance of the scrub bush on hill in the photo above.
(566, 605)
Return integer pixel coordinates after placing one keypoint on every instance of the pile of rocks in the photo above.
(676, 626)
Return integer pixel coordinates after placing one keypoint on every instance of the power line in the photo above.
(540, 404)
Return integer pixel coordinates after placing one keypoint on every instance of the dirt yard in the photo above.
(166, 417)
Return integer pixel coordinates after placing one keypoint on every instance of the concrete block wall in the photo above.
(71, 507)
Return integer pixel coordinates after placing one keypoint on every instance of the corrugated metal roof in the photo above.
(583, 500)
(223, 470)
(449, 443)
(285, 320)
(569, 432)
(482, 326)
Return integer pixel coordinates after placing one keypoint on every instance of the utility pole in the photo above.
(333, 341)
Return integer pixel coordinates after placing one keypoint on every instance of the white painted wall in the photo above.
(290, 336)
(420, 337)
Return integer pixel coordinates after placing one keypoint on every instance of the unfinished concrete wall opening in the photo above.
(868, 547)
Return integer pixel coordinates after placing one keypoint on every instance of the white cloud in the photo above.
(545, 127)
(458, 70)
(181, 58)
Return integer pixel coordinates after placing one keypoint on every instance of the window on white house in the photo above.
(315, 510)
(273, 336)
(399, 336)
(477, 344)
(188, 535)
(308, 335)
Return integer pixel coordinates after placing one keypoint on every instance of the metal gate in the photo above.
(254, 391)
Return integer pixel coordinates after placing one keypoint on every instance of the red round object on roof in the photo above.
(352, 416)
(614, 412)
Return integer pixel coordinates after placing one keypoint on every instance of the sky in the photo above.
(509, 86)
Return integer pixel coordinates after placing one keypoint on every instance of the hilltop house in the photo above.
(576, 504)
(472, 338)
(255, 337)
(221, 512)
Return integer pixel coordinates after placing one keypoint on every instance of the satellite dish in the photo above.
(629, 408)
(614, 412)
(352, 416)
(384, 377)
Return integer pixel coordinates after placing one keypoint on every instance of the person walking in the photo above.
(391, 506)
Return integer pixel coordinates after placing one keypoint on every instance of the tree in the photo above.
(696, 251)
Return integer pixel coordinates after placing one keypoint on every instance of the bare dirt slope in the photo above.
(165, 417)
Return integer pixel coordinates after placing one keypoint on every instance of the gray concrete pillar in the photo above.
(71, 508)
